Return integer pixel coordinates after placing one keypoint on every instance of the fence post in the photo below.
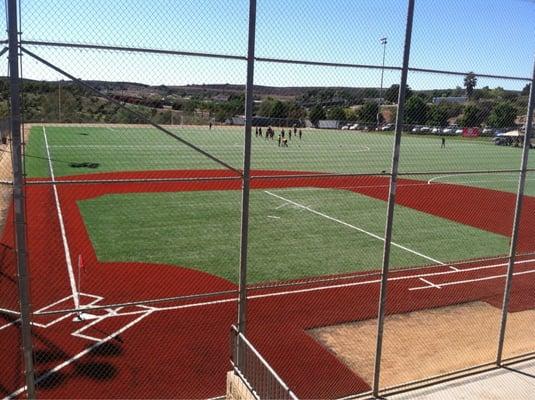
(517, 220)
(244, 232)
(18, 198)
(392, 199)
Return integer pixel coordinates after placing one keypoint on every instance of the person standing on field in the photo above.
(443, 144)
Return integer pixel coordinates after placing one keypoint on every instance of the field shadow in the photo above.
(84, 165)
(100, 371)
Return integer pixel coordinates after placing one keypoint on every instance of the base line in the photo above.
(353, 227)
(70, 271)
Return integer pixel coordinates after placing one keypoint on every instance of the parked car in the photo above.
(345, 127)
(436, 130)
(459, 131)
(415, 129)
(450, 130)
(487, 131)
(354, 127)
(387, 127)
(425, 129)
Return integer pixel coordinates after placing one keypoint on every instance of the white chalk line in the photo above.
(429, 283)
(486, 278)
(327, 287)
(511, 179)
(70, 271)
(95, 300)
(353, 227)
(81, 354)
(150, 310)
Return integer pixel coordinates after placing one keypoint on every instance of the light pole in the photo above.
(383, 43)
(59, 100)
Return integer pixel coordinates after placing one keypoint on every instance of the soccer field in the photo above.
(83, 150)
(296, 232)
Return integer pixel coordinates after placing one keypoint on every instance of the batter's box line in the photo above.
(111, 313)
(96, 299)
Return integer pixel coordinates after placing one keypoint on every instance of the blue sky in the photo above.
(487, 36)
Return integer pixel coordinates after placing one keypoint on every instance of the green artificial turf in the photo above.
(80, 150)
(201, 230)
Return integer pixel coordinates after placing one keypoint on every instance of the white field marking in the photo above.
(78, 333)
(511, 179)
(274, 217)
(72, 281)
(430, 283)
(321, 288)
(8, 311)
(95, 300)
(486, 278)
(354, 227)
(282, 205)
(81, 354)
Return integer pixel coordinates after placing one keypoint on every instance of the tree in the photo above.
(437, 116)
(295, 111)
(279, 110)
(392, 93)
(416, 111)
(502, 116)
(336, 113)
(525, 90)
(368, 112)
(470, 82)
(316, 113)
(473, 115)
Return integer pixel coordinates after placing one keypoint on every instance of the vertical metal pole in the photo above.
(392, 199)
(18, 198)
(242, 302)
(383, 42)
(517, 219)
(59, 100)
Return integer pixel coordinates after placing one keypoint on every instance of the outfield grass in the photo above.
(73, 149)
(201, 230)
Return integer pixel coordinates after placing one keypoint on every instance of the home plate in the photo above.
(85, 317)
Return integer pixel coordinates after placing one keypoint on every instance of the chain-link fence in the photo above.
(170, 169)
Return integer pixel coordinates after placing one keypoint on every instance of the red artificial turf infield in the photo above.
(184, 352)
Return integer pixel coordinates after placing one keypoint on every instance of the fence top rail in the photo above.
(259, 59)
(129, 49)
(235, 331)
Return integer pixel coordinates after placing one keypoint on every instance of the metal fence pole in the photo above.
(244, 233)
(517, 219)
(18, 199)
(392, 199)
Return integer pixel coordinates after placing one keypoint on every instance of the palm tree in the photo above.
(470, 82)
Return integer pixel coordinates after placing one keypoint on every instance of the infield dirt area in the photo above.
(427, 343)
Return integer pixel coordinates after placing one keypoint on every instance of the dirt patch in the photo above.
(426, 343)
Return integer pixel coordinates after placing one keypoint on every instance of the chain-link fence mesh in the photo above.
(137, 197)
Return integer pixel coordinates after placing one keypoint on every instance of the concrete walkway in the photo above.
(513, 382)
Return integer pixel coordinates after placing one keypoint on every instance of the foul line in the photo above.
(486, 278)
(62, 228)
(81, 354)
(353, 227)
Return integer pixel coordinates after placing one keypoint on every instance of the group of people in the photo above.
(281, 139)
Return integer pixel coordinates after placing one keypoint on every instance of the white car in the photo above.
(354, 127)
(450, 129)
(345, 127)
(435, 130)
(415, 129)
(425, 129)
(387, 127)
(487, 131)
(459, 131)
